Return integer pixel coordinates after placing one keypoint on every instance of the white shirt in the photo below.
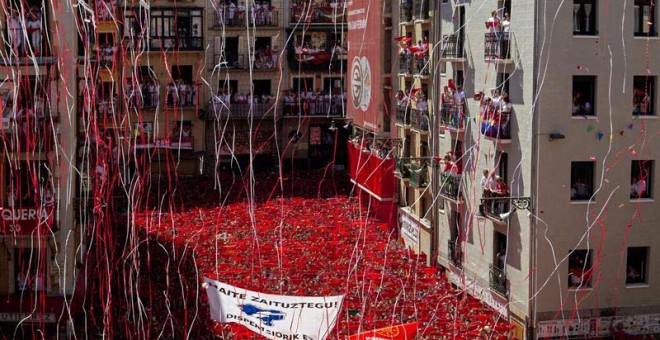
(638, 188)
(505, 107)
(459, 97)
(506, 26)
(422, 106)
(493, 24)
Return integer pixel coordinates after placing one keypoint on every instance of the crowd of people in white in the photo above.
(25, 31)
(229, 13)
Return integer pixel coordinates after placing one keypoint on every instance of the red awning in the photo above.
(373, 174)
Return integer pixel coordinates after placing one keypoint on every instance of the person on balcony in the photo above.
(501, 192)
(494, 26)
(34, 30)
(240, 13)
(487, 182)
(506, 38)
(505, 111)
(637, 188)
(220, 10)
(401, 99)
(231, 11)
(16, 33)
(459, 96)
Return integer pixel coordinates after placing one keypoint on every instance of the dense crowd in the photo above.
(303, 237)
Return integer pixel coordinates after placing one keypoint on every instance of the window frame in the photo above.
(593, 97)
(638, 19)
(593, 15)
(635, 172)
(503, 82)
(163, 26)
(575, 175)
(586, 268)
(643, 270)
(649, 84)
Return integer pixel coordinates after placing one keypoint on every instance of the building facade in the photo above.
(560, 240)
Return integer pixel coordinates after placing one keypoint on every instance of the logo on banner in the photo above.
(361, 83)
(267, 316)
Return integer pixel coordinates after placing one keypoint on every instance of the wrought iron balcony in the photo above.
(454, 253)
(452, 46)
(450, 185)
(405, 64)
(265, 18)
(498, 281)
(452, 116)
(182, 95)
(422, 65)
(496, 126)
(222, 19)
(421, 9)
(403, 114)
(497, 46)
(419, 175)
(302, 12)
(494, 206)
(183, 42)
(147, 96)
(405, 11)
(220, 110)
(419, 120)
(322, 107)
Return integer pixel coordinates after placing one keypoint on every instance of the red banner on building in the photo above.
(365, 29)
(182, 143)
(399, 332)
(24, 221)
(371, 173)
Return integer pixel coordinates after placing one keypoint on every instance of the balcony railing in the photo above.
(231, 61)
(450, 185)
(498, 281)
(260, 18)
(402, 169)
(419, 120)
(405, 11)
(147, 96)
(496, 125)
(452, 116)
(494, 206)
(322, 107)
(452, 46)
(454, 253)
(421, 9)
(405, 64)
(403, 114)
(497, 46)
(182, 95)
(239, 110)
(301, 12)
(422, 65)
(419, 175)
(176, 43)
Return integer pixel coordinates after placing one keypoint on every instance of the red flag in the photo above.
(414, 49)
(414, 91)
(403, 39)
(399, 332)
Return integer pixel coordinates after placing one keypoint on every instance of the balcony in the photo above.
(181, 94)
(419, 175)
(317, 14)
(496, 127)
(497, 46)
(183, 42)
(498, 281)
(262, 17)
(240, 110)
(450, 186)
(402, 169)
(405, 11)
(454, 253)
(494, 206)
(419, 120)
(452, 47)
(147, 96)
(452, 117)
(403, 114)
(323, 108)
(405, 64)
(421, 10)
(422, 65)
(316, 59)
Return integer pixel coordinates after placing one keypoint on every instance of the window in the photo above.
(584, 96)
(644, 21)
(637, 265)
(183, 72)
(176, 29)
(27, 14)
(503, 83)
(641, 179)
(503, 165)
(585, 19)
(458, 77)
(333, 84)
(228, 85)
(261, 87)
(182, 129)
(582, 180)
(579, 269)
(504, 7)
(499, 248)
(643, 95)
